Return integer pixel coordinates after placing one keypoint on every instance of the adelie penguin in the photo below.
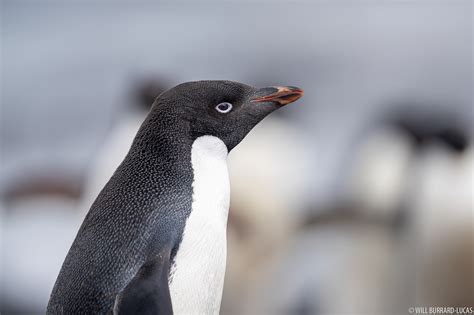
(154, 240)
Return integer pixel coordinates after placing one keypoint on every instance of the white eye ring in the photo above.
(224, 107)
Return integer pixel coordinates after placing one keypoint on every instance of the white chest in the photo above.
(198, 274)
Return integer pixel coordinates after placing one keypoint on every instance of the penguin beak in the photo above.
(279, 94)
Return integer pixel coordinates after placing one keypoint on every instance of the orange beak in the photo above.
(280, 94)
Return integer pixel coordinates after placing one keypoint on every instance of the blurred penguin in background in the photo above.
(416, 169)
(384, 168)
(439, 237)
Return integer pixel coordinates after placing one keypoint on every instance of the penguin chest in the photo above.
(197, 276)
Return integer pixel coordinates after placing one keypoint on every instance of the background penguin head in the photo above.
(224, 109)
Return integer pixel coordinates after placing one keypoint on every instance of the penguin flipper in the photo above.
(148, 292)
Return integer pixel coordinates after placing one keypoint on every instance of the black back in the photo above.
(143, 207)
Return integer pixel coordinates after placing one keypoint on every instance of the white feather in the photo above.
(197, 277)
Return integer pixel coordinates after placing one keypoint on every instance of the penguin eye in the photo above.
(224, 107)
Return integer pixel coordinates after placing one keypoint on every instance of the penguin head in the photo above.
(224, 109)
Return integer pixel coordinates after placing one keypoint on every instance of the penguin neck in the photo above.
(210, 178)
(166, 143)
(163, 140)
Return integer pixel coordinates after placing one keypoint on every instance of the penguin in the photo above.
(154, 240)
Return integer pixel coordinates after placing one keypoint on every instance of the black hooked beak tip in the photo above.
(279, 94)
